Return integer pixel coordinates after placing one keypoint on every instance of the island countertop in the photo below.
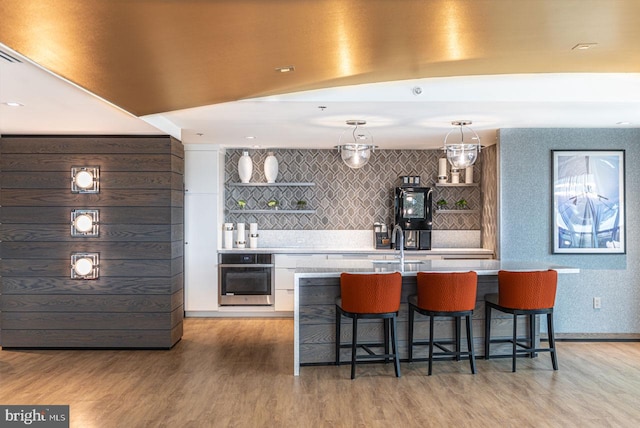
(333, 268)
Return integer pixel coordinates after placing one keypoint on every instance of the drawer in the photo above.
(284, 300)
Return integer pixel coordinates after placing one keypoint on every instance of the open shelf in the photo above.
(456, 211)
(272, 211)
(271, 184)
(457, 184)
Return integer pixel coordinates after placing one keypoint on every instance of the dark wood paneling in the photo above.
(64, 162)
(177, 148)
(86, 303)
(88, 320)
(106, 198)
(136, 339)
(108, 215)
(118, 285)
(108, 232)
(138, 299)
(35, 144)
(61, 180)
(112, 268)
(108, 250)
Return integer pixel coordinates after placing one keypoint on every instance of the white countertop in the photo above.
(322, 250)
(333, 268)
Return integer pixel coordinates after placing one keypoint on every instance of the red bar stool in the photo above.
(367, 296)
(444, 295)
(523, 293)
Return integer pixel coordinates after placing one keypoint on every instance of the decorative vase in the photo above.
(271, 168)
(245, 167)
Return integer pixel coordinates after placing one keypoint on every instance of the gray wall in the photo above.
(525, 227)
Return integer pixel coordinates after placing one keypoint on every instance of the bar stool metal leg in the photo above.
(394, 339)
(487, 332)
(431, 319)
(472, 354)
(552, 341)
(515, 333)
(338, 321)
(354, 340)
(411, 318)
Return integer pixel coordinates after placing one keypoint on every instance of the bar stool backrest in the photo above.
(527, 290)
(377, 293)
(447, 292)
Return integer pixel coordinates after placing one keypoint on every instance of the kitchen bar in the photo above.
(316, 288)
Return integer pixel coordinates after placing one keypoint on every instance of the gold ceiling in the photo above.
(164, 55)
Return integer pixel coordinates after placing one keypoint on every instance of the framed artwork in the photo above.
(588, 202)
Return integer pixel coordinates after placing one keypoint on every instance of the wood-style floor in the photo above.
(238, 373)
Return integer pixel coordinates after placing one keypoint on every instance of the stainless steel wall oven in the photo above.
(246, 280)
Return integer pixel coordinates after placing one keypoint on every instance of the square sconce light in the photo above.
(85, 223)
(85, 179)
(85, 265)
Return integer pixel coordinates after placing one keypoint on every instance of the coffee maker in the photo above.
(413, 213)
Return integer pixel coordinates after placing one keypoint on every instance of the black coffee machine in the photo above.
(413, 213)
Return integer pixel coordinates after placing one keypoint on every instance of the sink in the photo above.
(407, 261)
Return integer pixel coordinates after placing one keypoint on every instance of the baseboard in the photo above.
(595, 337)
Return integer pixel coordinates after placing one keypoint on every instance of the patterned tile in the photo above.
(343, 198)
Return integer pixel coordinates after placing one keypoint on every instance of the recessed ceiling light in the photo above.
(250, 137)
(623, 123)
(287, 69)
(14, 104)
(583, 46)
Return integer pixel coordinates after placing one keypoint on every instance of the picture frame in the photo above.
(588, 202)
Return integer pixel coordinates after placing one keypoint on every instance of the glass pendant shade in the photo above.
(461, 154)
(354, 155)
(356, 145)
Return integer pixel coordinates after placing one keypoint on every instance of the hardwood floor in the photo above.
(238, 373)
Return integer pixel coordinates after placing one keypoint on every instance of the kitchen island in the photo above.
(317, 286)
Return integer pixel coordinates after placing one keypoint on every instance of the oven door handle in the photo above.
(247, 266)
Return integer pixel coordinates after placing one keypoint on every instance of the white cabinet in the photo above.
(285, 268)
(201, 268)
(201, 206)
(201, 170)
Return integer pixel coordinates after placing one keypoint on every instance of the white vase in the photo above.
(245, 167)
(271, 168)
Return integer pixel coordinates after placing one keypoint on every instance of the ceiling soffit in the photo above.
(150, 57)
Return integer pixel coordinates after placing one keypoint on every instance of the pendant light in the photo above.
(355, 150)
(462, 154)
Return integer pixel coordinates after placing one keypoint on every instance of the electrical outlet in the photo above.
(597, 303)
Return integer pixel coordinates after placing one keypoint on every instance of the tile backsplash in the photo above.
(343, 198)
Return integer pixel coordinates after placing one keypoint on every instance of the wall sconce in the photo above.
(85, 223)
(462, 154)
(85, 179)
(356, 153)
(85, 265)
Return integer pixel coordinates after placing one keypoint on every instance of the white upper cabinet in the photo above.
(201, 169)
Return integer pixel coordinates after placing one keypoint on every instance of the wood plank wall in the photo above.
(137, 302)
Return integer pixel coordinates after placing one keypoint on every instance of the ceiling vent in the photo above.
(8, 57)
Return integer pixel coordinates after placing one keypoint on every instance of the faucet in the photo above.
(400, 245)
